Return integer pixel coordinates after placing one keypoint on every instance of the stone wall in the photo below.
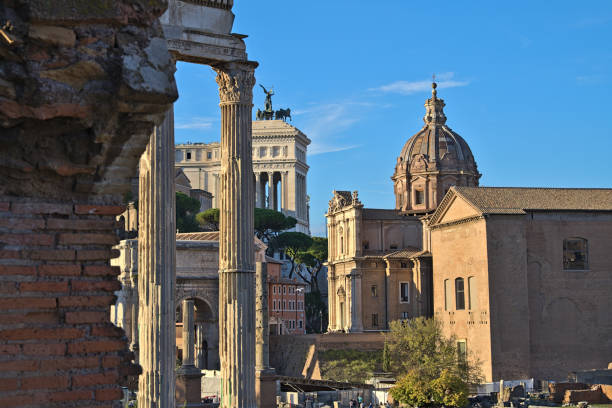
(82, 85)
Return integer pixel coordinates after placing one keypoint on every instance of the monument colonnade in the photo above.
(271, 188)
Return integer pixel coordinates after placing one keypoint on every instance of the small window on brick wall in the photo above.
(575, 254)
(374, 319)
(374, 291)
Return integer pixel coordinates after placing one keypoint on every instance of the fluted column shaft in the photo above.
(262, 338)
(156, 269)
(188, 333)
(236, 227)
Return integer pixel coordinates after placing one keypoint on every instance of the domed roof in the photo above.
(436, 145)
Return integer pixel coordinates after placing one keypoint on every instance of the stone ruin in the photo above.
(86, 93)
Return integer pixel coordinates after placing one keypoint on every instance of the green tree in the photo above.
(293, 243)
(386, 358)
(269, 223)
(209, 219)
(310, 262)
(186, 209)
(427, 364)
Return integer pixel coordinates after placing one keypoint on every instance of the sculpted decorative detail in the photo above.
(343, 199)
(236, 83)
(222, 4)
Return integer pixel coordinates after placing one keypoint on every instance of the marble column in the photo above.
(236, 245)
(188, 377)
(134, 324)
(271, 191)
(258, 190)
(157, 272)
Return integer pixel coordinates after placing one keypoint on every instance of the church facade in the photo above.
(518, 276)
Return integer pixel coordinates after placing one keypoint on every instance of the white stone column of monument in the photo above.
(134, 323)
(258, 190)
(271, 191)
(283, 200)
(236, 227)
(157, 272)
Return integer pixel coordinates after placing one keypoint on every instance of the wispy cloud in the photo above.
(590, 79)
(195, 123)
(593, 21)
(328, 121)
(444, 80)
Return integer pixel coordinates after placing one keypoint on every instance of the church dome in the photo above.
(432, 161)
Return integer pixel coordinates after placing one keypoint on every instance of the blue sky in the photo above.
(526, 83)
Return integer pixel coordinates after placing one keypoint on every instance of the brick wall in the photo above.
(57, 345)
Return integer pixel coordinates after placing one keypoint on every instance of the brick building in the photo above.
(285, 301)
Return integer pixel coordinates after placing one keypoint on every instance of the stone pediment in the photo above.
(453, 208)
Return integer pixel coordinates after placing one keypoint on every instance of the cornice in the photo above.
(458, 222)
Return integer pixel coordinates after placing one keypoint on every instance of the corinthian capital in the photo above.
(236, 82)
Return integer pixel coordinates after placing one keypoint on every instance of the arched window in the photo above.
(459, 294)
(472, 293)
(575, 253)
(448, 300)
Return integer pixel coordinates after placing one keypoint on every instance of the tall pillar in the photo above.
(283, 199)
(265, 384)
(134, 323)
(271, 191)
(157, 272)
(236, 245)
(188, 333)
(188, 377)
(258, 190)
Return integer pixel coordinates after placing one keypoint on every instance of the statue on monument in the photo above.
(268, 113)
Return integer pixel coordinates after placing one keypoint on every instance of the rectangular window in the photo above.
(188, 155)
(274, 305)
(473, 293)
(459, 294)
(419, 197)
(404, 292)
(300, 324)
(462, 351)
(274, 288)
(284, 305)
(262, 152)
(404, 264)
(209, 155)
(284, 289)
(448, 293)
(374, 319)
(405, 315)
(575, 254)
(373, 290)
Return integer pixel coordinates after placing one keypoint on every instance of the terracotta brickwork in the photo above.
(57, 344)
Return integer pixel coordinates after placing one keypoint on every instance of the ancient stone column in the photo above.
(265, 385)
(236, 251)
(188, 377)
(188, 333)
(156, 275)
(262, 336)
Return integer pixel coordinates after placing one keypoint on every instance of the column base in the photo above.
(189, 387)
(265, 387)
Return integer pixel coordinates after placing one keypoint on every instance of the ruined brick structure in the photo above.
(82, 85)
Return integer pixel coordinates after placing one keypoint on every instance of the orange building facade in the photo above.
(285, 302)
